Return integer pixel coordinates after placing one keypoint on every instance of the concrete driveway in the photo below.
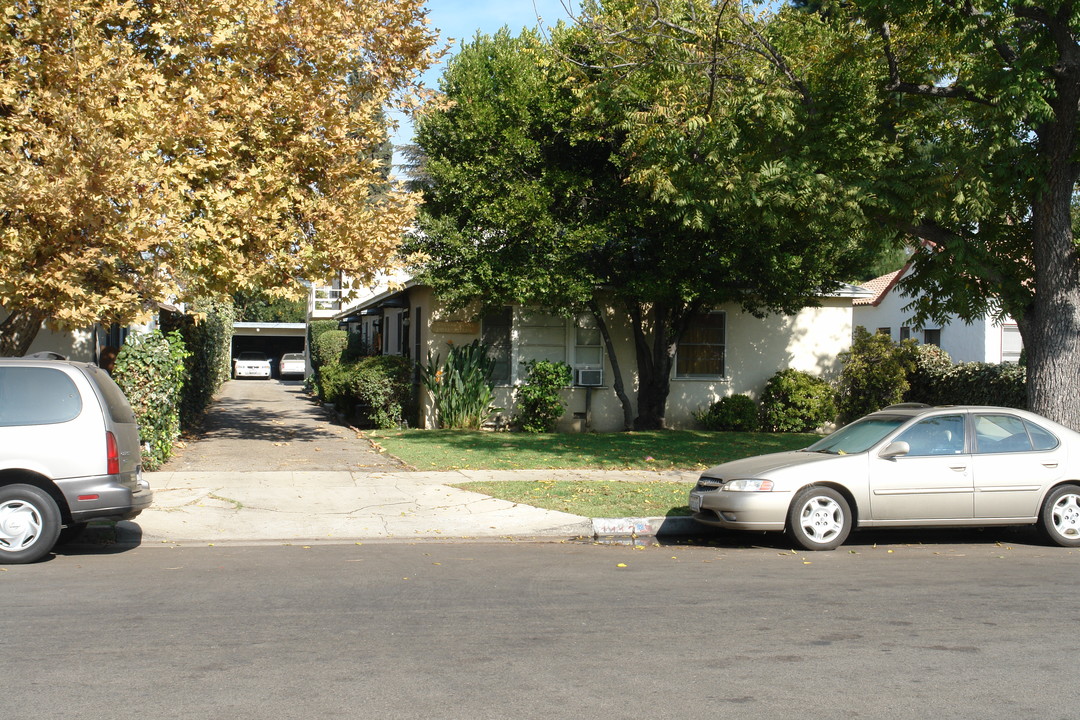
(272, 426)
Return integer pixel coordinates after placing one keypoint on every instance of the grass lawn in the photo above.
(657, 450)
(660, 450)
(592, 499)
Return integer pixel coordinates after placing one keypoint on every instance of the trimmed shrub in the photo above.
(376, 391)
(734, 413)
(317, 328)
(875, 374)
(796, 401)
(539, 404)
(329, 348)
(150, 371)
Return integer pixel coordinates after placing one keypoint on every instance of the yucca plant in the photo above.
(461, 388)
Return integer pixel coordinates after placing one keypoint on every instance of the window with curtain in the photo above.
(701, 350)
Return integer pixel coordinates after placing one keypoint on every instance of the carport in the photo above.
(274, 339)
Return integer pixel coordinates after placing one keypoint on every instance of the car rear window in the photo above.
(117, 404)
(37, 396)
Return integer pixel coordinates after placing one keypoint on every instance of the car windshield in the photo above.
(859, 436)
(252, 356)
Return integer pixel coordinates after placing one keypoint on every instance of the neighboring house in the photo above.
(984, 340)
(97, 344)
(725, 352)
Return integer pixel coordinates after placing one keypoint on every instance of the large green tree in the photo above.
(982, 100)
(953, 124)
(537, 193)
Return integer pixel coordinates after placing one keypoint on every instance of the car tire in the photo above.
(819, 518)
(1059, 521)
(29, 524)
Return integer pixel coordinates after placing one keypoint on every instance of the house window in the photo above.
(1011, 343)
(905, 333)
(932, 337)
(701, 350)
(886, 331)
(587, 350)
(495, 333)
(538, 336)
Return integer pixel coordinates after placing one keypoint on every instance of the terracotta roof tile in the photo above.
(880, 287)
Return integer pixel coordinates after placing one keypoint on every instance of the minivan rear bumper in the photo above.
(103, 497)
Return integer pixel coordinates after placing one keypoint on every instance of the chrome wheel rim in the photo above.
(20, 525)
(1066, 516)
(821, 519)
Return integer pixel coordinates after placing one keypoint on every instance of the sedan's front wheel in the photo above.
(819, 519)
(29, 524)
(1059, 520)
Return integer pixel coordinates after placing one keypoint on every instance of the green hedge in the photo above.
(150, 371)
(207, 334)
(796, 401)
(937, 381)
(738, 413)
(315, 330)
(376, 390)
(330, 348)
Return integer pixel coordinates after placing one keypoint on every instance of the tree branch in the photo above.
(945, 239)
(922, 89)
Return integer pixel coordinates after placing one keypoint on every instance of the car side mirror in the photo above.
(895, 449)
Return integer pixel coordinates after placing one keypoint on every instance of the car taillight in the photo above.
(113, 454)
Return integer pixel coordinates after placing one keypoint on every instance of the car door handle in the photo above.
(1050, 465)
(961, 468)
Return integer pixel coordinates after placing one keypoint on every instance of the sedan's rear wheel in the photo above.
(819, 519)
(1060, 517)
(29, 524)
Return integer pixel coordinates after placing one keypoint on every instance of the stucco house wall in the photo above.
(416, 325)
(984, 340)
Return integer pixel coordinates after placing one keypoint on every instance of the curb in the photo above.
(645, 527)
(129, 534)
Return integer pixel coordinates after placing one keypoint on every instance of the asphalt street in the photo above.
(971, 629)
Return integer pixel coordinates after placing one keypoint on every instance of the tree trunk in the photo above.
(616, 372)
(655, 361)
(18, 330)
(1051, 329)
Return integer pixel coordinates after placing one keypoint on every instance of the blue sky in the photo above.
(460, 19)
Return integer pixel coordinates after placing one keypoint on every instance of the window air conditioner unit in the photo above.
(589, 377)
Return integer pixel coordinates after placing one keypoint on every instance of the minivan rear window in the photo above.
(37, 396)
(119, 409)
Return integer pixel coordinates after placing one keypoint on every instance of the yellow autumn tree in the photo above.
(160, 149)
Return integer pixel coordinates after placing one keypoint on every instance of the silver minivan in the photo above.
(69, 454)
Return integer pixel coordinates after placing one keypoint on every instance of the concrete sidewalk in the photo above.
(337, 507)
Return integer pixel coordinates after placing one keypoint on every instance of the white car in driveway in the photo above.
(906, 466)
(251, 364)
(293, 364)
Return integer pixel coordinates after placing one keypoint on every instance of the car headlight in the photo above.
(749, 485)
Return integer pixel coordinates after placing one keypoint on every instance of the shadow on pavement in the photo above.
(861, 539)
(102, 539)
